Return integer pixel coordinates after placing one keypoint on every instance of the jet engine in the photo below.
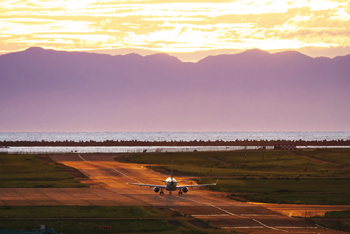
(185, 190)
(156, 189)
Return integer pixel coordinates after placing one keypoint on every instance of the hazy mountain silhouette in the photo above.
(47, 90)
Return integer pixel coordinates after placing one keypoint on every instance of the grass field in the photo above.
(345, 214)
(260, 163)
(93, 226)
(338, 220)
(290, 191)
(332, 155)
(160, 226)
(89, 219)
(299, 198)
(268, 176)
(280, 185)
(28, 171)
(79, 212)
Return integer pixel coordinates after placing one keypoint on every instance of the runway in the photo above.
(108, 180)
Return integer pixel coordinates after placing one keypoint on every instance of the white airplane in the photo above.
(171, 185)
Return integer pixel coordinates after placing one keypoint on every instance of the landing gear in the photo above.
(180, 193)
(170, 193)
(161, 193)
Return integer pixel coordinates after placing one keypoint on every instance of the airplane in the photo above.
(171, 185)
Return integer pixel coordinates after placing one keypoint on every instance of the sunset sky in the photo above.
(314, 27)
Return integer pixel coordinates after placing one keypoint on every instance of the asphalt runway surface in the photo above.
(108, 187)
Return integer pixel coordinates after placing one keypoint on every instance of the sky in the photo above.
(189, 29)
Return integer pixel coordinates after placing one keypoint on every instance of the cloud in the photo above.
(176, 26)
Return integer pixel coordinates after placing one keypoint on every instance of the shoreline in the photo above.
(262, 143)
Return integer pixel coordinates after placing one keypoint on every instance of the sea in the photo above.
(172, 136)
(155, 136)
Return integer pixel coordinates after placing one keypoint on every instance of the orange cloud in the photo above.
(174, 26)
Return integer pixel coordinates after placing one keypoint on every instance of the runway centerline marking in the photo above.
(323, 227)
(110, 168)
(82, 158)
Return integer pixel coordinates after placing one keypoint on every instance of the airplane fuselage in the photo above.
(171, 184)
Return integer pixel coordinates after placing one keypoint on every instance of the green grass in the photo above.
(341, 156)
(161, 226)
(132, 219)
(274, 163)
(28, 171)
(300, 198)
(344, 214)
(335, 224)
(280, 185)
(290, 191)
(337, 220)
(78, 212)
(92, 226)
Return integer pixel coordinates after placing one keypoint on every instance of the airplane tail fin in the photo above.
(171, 169)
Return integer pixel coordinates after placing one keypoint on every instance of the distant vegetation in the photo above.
(33, 171)
(267, 176)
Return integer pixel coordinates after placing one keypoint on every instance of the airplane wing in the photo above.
(197, 185)
(149, 185)
(160, 180)
(182, 180)
(192, 186)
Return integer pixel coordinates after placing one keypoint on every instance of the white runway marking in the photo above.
(109, 168)
(235, 214)
(269, 226)
(81, 157)
(323, 227)
(211, 206)
(176, 211)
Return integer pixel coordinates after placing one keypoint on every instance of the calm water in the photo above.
(171, 136)
(155, 136)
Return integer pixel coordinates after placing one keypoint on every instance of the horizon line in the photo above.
(194, 56)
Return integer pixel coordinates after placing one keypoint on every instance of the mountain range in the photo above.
(54, 91)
